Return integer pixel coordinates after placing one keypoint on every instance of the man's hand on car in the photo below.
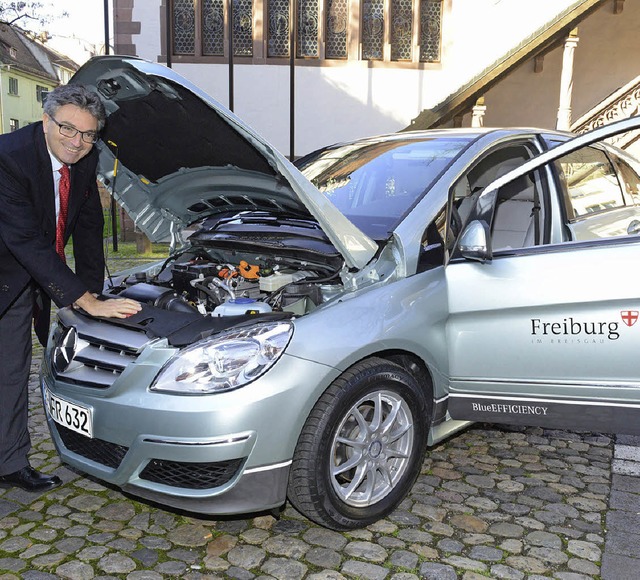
(115, 308)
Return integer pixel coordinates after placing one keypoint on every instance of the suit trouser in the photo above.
(15, 367)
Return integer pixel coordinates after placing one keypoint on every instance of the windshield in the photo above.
(375, 183)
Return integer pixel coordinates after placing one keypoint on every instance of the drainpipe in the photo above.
(106, 26)
(230, 34)
(2, 111)
(114, 207)
(167, 17)
(292, 77)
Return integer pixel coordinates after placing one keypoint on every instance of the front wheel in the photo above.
(361, 447)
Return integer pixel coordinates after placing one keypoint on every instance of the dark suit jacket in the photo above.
(28, 225)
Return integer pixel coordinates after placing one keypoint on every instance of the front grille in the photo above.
(103, 350)
(103, 452)
(191, 475)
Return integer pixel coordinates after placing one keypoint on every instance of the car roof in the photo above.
(470, 133)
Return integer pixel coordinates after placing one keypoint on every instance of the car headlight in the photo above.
(226, 361)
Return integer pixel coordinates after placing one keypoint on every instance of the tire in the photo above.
(361, 447)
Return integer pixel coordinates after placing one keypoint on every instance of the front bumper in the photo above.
(226, 453)
(197, 480)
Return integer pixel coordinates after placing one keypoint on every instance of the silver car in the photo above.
(316, 327)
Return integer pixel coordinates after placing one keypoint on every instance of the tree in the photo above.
(26, 13)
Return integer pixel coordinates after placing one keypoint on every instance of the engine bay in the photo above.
(198, 281)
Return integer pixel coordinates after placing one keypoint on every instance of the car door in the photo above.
(546, 332)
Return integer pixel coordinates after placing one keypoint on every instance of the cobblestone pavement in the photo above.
(490, 503)
(621, 558)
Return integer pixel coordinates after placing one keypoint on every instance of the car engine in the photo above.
(196, 283)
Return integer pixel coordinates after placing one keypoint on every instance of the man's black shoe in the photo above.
(30, 480)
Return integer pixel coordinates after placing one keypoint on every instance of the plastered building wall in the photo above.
(346, 100)
(605, 59)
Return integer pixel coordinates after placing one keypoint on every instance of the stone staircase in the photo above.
(621, 104)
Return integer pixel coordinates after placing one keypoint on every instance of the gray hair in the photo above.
(77, 95)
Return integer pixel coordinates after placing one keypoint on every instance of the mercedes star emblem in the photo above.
(65, 349)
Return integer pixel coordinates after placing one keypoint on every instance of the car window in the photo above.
(591, 183)
(517, 213)
(518, 216)
(432, 247)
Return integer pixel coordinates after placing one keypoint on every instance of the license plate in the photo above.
(74, 417)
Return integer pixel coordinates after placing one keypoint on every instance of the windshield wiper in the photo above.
(289, 219)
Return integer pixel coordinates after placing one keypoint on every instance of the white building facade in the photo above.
(366, 67)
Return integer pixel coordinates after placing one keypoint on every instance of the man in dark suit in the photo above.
(47, 189)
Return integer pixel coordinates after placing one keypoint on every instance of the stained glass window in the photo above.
(184, 27)
(278, 28)
(401, 29)
(372, 29)
(207, 21)
(212, 27)
(242, 28)
(430, 30)
(307, 41)
(336, 29)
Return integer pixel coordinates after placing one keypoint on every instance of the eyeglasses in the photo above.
(69, 131)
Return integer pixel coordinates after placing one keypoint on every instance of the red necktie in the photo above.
(63, 192)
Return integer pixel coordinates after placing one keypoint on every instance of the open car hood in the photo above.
(171, 155)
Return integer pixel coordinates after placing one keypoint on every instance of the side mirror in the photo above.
(633, 228)
(475, 242)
